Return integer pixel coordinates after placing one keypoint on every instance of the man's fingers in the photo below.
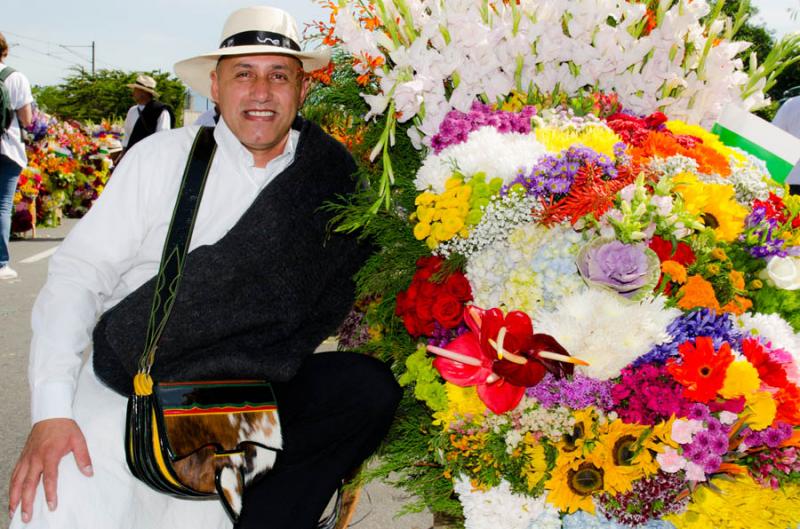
(29, 483)
(50, 482)
(15, 487)
(81, 453)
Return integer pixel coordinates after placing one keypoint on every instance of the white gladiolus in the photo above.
(451, 43)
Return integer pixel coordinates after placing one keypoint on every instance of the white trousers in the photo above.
(112, 498)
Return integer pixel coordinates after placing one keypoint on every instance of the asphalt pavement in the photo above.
(378, 504)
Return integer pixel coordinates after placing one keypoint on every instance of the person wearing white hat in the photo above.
(148, 115)
(264, 283)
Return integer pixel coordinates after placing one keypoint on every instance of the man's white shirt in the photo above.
(788, 116)
(132, 116)
(117, 247)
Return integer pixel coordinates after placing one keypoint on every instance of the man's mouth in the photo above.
(260, 113)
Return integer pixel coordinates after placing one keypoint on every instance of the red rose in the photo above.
(448, 311)
(427, 266)
(424, 310)
(428, 291)
(458, 286)
(412, 325)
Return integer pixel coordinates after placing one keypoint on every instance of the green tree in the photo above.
(105, 95)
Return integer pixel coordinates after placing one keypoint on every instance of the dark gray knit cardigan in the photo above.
(263, 297)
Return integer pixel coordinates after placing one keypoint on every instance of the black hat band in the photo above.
(260, 38)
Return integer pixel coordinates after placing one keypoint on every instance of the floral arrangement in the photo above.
(592, 301)
(67, 170)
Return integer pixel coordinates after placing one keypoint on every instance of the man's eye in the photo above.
(243, 74)
(278, 77)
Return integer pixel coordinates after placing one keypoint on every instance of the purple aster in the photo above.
(699, 412)
(701, 322)
(712, 463)
(457, 125)
(719, 444)
(576, 393)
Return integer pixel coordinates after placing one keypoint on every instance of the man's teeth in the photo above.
(260, 113)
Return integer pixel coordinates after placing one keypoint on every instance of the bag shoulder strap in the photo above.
(176, 246)
(8, 70)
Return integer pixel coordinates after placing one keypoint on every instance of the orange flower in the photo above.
(675, 270)
(702, 370)
(665, 145)
(697, 292)
(738, 305)
(737, 279)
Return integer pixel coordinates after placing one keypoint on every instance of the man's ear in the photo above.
(214, 85)
(304, 86)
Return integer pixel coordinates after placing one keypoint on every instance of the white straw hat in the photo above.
(249, 31)
(145, 83)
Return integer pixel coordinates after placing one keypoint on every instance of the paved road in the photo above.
(378, 504)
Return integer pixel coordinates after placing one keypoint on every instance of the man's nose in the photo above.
(261, 89)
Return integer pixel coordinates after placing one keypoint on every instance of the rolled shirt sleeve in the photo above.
(82, 276)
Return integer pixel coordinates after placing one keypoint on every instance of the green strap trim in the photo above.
(176, 245)
(778, 168)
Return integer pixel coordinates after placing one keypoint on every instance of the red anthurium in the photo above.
(500, 355)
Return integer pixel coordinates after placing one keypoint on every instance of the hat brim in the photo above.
(143, 88)
(196, 72)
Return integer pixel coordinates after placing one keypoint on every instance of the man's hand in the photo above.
(48, 442)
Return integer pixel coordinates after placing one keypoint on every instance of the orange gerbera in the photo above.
(702, 369)
(697, 292)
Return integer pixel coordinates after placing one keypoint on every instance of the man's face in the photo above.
(141, 97)
(258, 97)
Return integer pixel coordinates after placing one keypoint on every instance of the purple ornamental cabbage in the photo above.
(631, 270)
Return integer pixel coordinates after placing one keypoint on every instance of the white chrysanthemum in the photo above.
(607, 330)
(500, 508)
(532, 270)
(777, 332)
(486, 150)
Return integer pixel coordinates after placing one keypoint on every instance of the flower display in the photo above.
(630, 339)
(67, 170)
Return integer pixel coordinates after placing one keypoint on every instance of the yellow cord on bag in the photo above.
(142, 384)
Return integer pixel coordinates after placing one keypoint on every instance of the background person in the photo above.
(148, 115)
(12, 155)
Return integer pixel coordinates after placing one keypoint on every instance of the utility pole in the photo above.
(82, 57)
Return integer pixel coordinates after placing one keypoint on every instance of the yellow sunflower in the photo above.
(573, 482)
(535, 467)
(626, 459)
(715, 204)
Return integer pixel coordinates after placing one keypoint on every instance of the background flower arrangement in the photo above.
(68, 166)
(627, 349)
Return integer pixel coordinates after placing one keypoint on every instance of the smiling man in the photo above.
(263, 285)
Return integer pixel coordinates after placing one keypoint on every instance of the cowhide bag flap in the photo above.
(198, 439)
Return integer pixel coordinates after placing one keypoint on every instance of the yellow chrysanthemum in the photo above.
(709, 139)
(741, 379)
(740, 504)
(598, 137)
(463, 403)
(762, 408)
(715, 204)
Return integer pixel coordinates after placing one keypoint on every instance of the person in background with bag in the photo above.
(16, 112)
(148, 115)
(263, 285)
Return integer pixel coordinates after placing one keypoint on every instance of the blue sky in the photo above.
(143, 35)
